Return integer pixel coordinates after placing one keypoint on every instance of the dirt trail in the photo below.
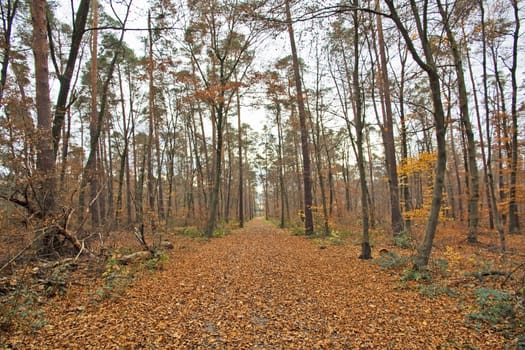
(260, 288)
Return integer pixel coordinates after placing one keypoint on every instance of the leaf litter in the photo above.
(258, 288)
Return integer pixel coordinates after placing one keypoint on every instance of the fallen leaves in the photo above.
(260, 288)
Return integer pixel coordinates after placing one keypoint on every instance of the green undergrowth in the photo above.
(494, 306)
(190, 231)
(392, 261)
(490, 304)
(23, 295)
(332, 239)
(22, 310)
(118, 276)
(404, 240)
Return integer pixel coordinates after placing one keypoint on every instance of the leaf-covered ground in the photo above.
(258, 288)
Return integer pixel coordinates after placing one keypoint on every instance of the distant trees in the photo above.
(219, 43)
(431, 56)
(357, 127)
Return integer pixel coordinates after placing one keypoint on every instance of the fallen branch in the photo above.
(72, 238)
(509, 275)
(480, 274)
(139, 234)
(137, 256)
(22, 251)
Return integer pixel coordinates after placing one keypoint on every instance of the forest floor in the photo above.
(263, 288)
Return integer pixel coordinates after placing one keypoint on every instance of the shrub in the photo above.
(221, 232)
(190, 231)
(435, 290)
(440, 266)
(21, 310)
(391, 260)
(495, 306)
(297, 230)
(416, 275)
(403, 240)
(116, 279)
(157, 261)
(335, 238)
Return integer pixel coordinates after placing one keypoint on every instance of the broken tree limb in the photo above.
(137, 256)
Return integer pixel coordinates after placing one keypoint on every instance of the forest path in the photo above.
(260, 288)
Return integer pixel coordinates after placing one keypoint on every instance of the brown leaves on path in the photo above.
(260, 288)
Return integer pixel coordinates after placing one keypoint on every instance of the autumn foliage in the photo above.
(269, 289)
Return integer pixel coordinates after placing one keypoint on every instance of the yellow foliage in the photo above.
(424, 162)
(423, 166)
(453, 256)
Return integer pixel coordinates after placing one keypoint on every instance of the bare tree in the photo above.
(472, 170)
(9, 11)
(307, 172)
(65, 77)
(387, 132)
(428, 64)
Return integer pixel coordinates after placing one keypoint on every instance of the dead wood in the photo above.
(134, 257)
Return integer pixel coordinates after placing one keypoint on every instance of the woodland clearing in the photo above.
(264, 288)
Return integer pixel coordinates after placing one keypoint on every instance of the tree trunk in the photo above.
(387, 131)
(488, 162)
(430, 68)
(457, 178)
(282, 190)
(91, 166)
(307, 172)
(241, 173)
(7, 28)
(151, 135)
(139, 193)
(227, 188)
(404, 143)
(366, 252)
(214, 198)
(88, 175)
(45, 183)
(472, 170)
(316, 138)
(514, 223)
(480, 133)
(160, 160)
(123, 156)
(66, 77)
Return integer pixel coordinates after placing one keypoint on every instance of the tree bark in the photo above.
(65, 78)
(488, 163)
(472, 171)
(514, 223)
(214, 198)
(387, 131)
(90, 170)
(45, 183)
(241, 172)
(8, 18)
(282, 190)
(480, 133)
(366, 252)
(307, 172)
(151, 120)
